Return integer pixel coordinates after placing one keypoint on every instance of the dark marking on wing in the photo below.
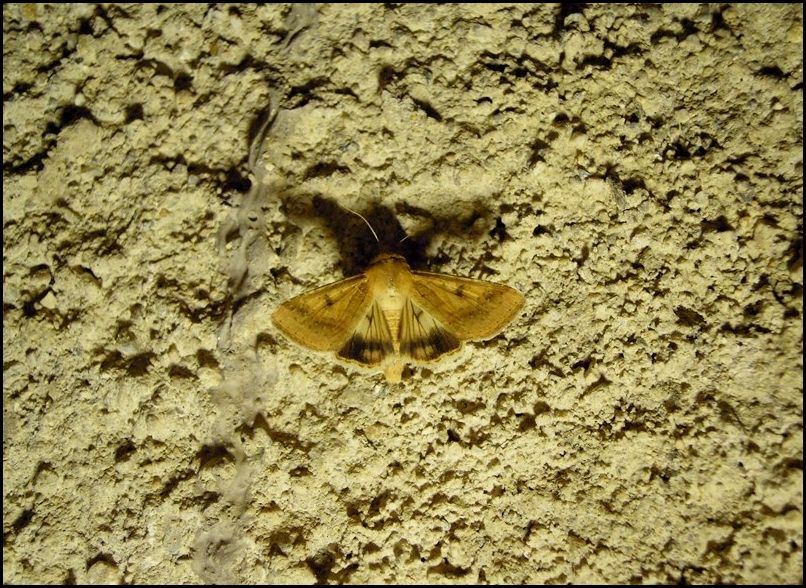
(430, 346)
(367, 351)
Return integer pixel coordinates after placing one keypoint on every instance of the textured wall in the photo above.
(635, 171)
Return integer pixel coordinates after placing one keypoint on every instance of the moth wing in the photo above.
(323, 318)
(422, 338)
(370, 341)
(469, 309)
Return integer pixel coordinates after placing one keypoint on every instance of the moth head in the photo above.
(387, 258)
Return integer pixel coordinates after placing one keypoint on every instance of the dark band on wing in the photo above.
(430, 346)
(363, 350)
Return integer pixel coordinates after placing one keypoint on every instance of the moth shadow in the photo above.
(357, 245)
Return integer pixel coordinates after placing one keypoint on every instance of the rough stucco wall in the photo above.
(636, 171)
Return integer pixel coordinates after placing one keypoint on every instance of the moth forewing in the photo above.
(470, 309)
(323, 318)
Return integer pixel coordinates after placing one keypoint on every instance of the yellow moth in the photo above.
(390, 315)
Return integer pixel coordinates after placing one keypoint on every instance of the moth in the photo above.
(390, 315)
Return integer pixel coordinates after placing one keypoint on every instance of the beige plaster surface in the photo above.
(635, 171)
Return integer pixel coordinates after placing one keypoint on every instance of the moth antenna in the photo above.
(366, 221)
